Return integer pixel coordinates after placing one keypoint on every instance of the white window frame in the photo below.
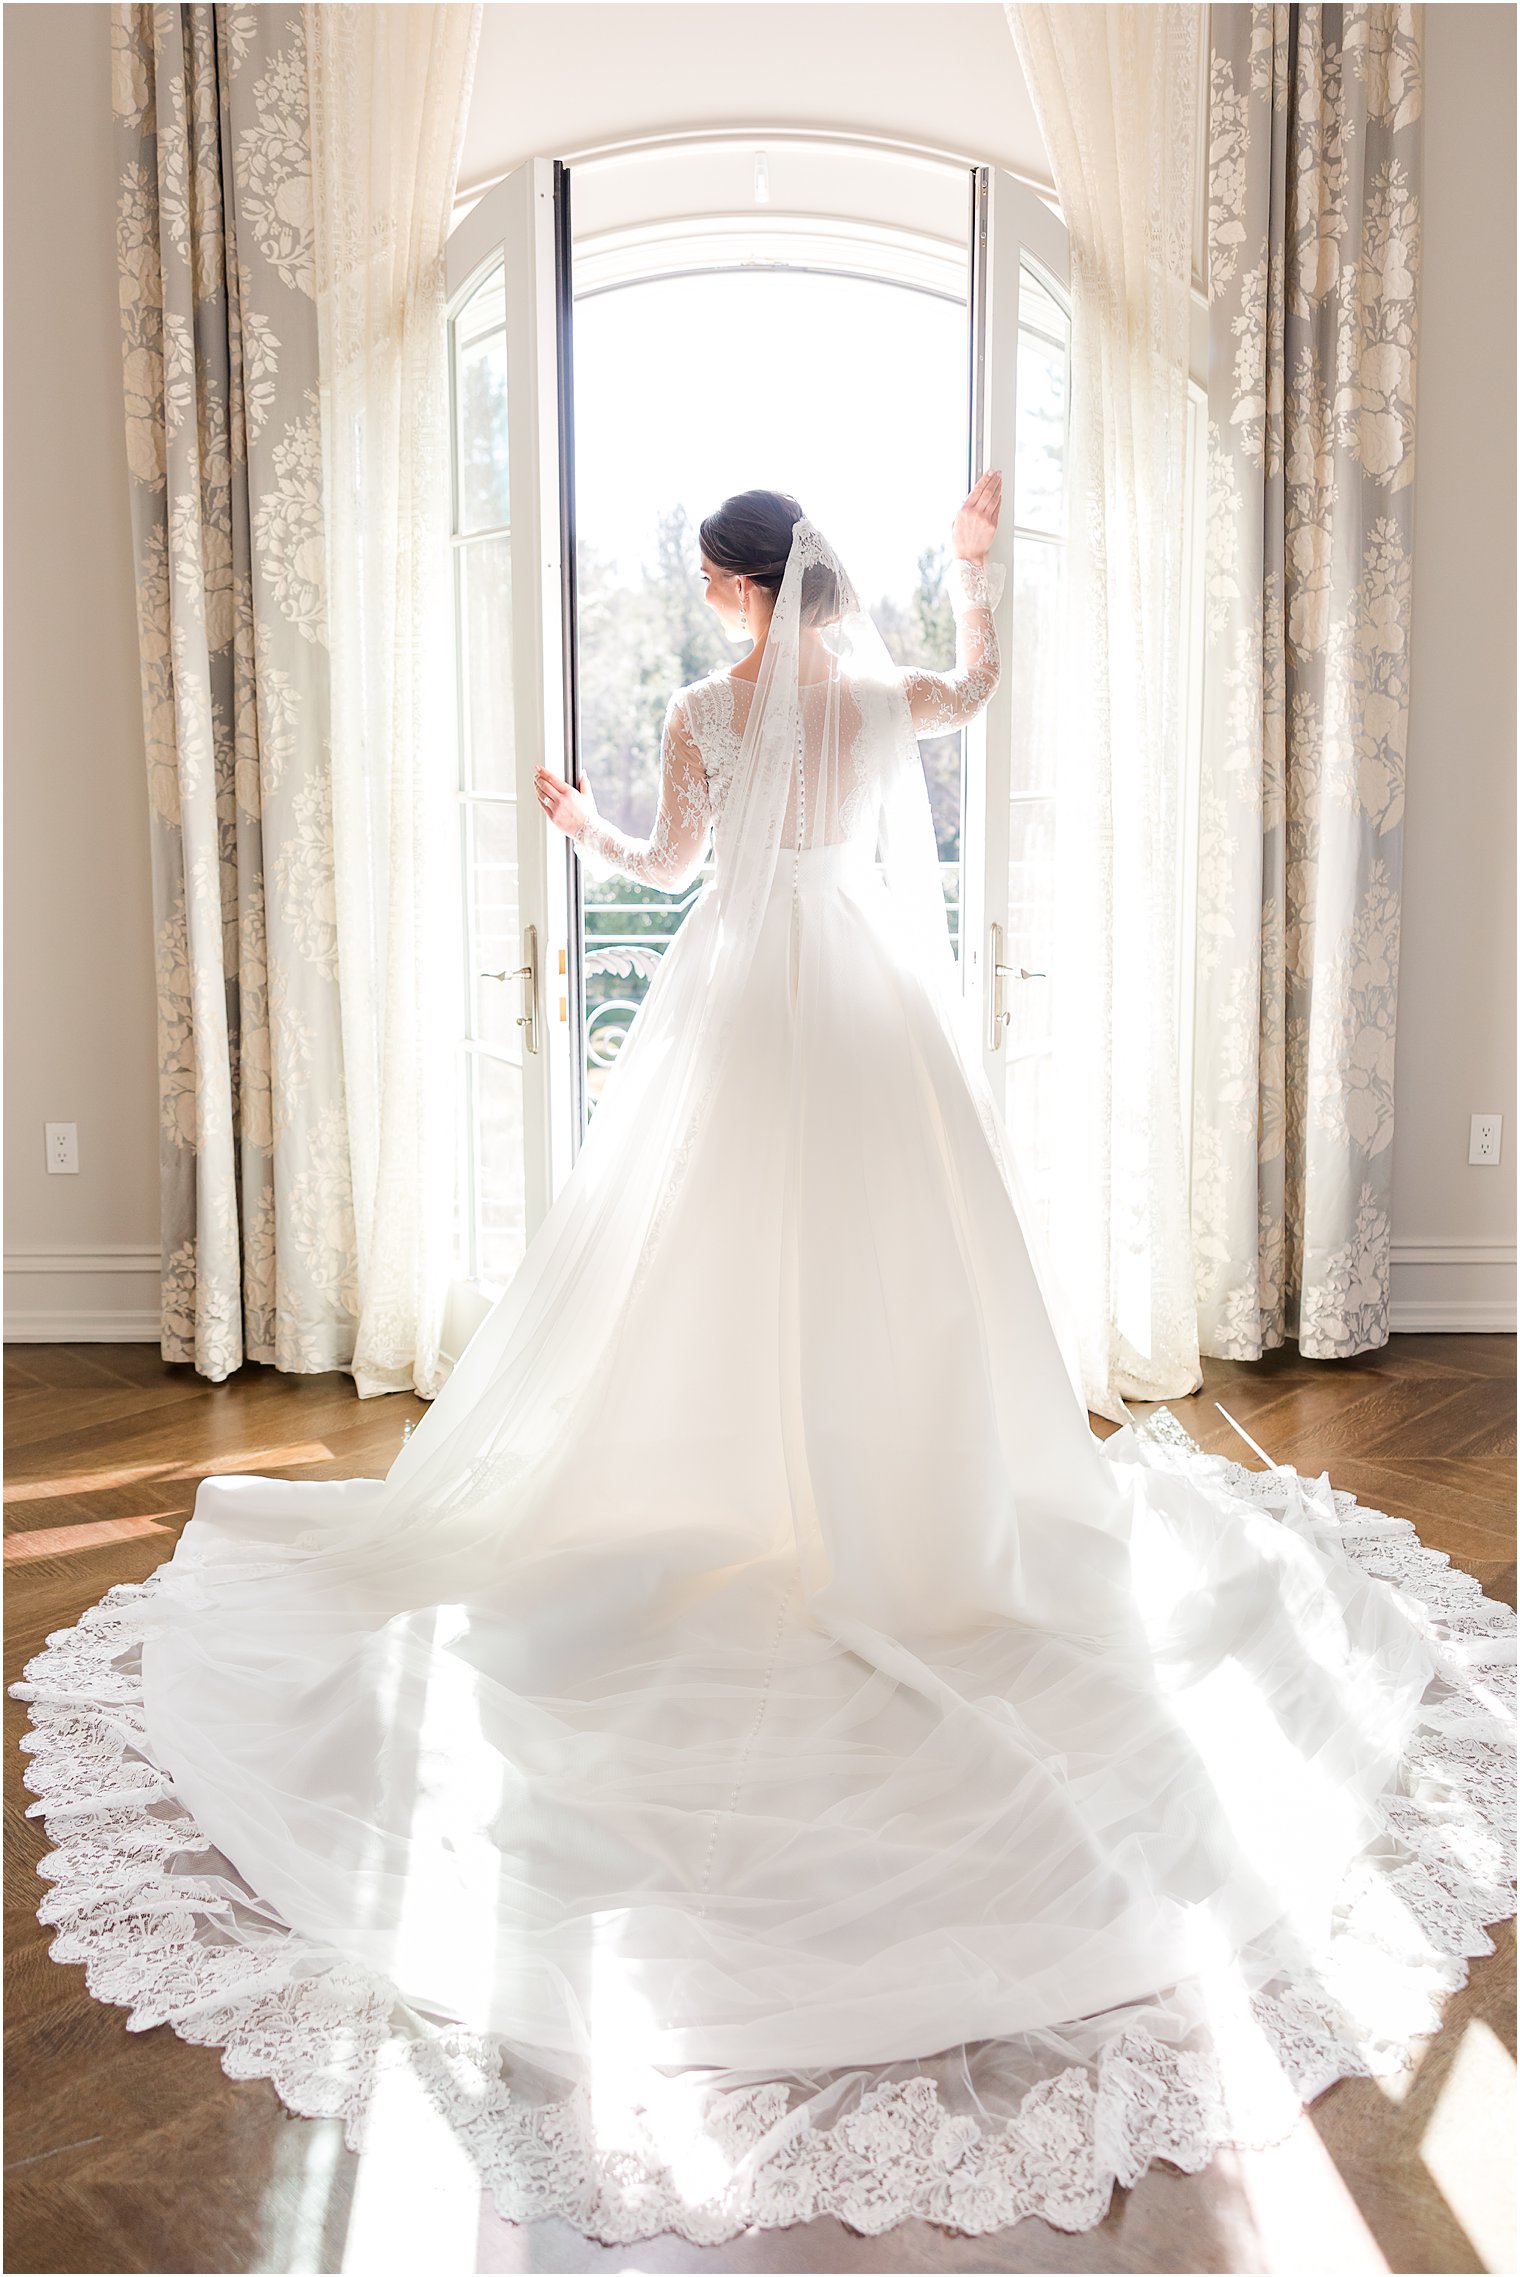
(516, 225)
(698, 231)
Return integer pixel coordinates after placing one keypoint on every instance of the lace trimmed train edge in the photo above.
(199, 1951)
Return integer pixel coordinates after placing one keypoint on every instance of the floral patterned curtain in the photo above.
(1314, 242)
(304, 1085)
(219, 344)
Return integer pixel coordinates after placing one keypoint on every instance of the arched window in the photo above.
(656, 274)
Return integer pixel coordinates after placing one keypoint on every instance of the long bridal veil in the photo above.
(756, 1753)
(824, 765)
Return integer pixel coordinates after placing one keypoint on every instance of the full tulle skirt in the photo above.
(823, 1705)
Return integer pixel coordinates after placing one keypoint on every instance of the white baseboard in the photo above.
(108, 1295)
(59, 1296)
(1467, 1317)
(1453, 1287)
(59, 1327)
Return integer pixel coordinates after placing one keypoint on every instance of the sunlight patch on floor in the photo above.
(1305, 2221)
(417, 2197)
(260, 1459)
(1469, 2143)
(297, 2204)
(65, 1541)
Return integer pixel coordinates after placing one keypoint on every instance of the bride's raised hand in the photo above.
(567, 808)
(976, 523)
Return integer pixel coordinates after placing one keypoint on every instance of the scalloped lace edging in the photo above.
(164, 1927)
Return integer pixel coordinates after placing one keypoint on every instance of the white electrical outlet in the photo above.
(1483, 1143)
(62, 1146)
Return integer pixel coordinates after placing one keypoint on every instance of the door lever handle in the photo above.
(999, 1013)
(527, 973)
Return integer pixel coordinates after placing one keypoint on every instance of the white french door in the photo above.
(521, 1047)
(1020, 364)
(508, 343)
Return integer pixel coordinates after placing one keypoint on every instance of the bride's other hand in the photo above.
(976, 523)
(567, 808)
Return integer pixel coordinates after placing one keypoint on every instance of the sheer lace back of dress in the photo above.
(836, 785)
(857, 724)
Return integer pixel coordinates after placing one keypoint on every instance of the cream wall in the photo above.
(555, 79)
(81, 1252)
(1454, 1224)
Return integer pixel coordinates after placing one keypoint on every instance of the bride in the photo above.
(757, 1752)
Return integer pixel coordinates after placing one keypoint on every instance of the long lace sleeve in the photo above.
(943, 701)
(670, 857)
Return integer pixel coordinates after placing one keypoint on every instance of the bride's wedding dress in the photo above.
(758, 1753)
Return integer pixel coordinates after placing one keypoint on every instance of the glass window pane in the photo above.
(1038, 305)
(943, 770)
(464, 1207)
(480, 377)
(950, 886)
(1031, 915)
(486, 308)
(1035, 760)
(1029, 1129)
(1033, 667)
(491, 1225)
(500, 1203)
(643, 625)
(1039, 479)
(485, 616)
(496, 926)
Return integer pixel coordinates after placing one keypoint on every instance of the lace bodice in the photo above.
(704, 727)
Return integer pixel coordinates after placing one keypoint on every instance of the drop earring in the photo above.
(743, 615)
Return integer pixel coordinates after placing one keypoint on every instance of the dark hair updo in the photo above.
(750, 535)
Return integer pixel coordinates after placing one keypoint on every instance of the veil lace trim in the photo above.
(811, 544)
(164, 1927)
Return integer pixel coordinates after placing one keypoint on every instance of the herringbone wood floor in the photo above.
(129, 2152)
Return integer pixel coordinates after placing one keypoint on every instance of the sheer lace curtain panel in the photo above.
(1314, 231)
(1117, 93)
(389, 99)
(284, 184)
